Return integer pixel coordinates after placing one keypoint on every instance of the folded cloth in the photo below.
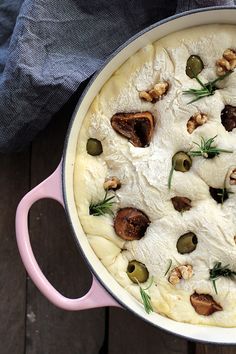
(56, 45)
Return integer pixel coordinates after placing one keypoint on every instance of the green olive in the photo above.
(187, 243)
(181, 161)
(194, 66)
(137, 272)
(94, 147)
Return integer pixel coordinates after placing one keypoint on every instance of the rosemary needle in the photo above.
(171, 175)
(146, 298)
(224, 192)
(168, 268)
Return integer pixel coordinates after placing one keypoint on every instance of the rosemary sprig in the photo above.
(168, 268)
(218, 271)
(146, 298)
(103, 207)
(206, 149)
(207, 89)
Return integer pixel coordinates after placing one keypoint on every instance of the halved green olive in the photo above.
(94, 147)
(194, 66)
(181, 161)
(137, 272)
(187, 243)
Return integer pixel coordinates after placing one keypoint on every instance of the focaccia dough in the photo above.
(144, 174)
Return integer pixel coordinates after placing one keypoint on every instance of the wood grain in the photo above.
(14, 183)
(50, 330)
(215, 349)
(129, 334)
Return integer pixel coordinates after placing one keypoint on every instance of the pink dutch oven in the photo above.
(105, 291)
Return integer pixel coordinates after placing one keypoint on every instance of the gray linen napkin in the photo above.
(184, 5)
(57, 44)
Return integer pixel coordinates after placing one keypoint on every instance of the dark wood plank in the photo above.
(51, 330)
(129, 334)
(14, 183)
(215, 349)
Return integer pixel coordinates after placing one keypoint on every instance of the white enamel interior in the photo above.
(194, 332)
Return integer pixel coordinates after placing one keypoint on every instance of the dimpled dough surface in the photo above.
(144, 174)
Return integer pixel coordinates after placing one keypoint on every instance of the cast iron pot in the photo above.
(105, 291)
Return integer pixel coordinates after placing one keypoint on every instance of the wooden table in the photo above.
(29, 323)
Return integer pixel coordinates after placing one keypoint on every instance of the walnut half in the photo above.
(232, 177)
(204, 304)
(196, 121)
(183, 271)
(227, 62)
(137, 127)
(156, 93)
(112, 183)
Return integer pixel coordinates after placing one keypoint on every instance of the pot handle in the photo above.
(97, 296)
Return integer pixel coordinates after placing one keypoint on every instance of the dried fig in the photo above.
(228, 117)
(131, 224)
(137, 127)
(181, 203)
(204, 304)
